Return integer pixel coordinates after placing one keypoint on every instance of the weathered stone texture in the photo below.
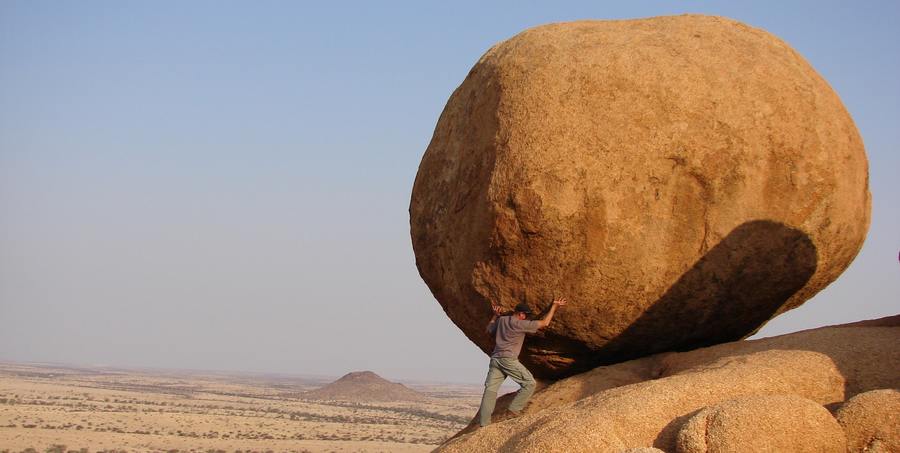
(762, 424)
(872, 420)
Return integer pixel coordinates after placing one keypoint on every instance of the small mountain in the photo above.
(362, 386)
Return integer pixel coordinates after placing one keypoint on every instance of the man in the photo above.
(509, 332)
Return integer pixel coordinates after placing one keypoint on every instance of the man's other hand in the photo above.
(559, 302)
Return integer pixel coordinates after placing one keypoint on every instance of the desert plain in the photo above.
(60, 408)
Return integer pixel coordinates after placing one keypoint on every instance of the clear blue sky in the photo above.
(224, 185)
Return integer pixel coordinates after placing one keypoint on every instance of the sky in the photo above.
(225, 185)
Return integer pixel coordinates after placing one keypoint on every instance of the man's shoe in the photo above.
(471, 427)
(508, 414)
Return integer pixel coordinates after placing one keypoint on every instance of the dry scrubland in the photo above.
(68, 409)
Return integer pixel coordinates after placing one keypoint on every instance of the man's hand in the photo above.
(549, 316)
(492, 324)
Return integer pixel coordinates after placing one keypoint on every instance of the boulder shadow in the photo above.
(727, 295)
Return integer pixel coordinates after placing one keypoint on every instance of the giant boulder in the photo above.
(681, 180)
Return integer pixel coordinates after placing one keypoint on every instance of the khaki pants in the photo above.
(499, 369)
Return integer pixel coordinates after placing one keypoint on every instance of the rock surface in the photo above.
(681, 180)
(872, 421)
(763, 424)
(364, 386)
(645, 402)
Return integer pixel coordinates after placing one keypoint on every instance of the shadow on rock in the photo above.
(728, 294)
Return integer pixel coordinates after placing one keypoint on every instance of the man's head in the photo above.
(522, 311)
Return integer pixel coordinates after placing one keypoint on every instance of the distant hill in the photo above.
(362, 386)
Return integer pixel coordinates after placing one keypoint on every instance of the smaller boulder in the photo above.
(773, 423)
(871, 421)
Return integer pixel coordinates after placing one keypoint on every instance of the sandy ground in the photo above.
(106, 410)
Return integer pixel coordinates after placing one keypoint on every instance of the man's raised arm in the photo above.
(549, 316)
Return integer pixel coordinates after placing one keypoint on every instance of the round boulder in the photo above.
(762, 424)
(871, 421)
(680, 180)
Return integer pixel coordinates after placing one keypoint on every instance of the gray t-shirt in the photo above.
(510, 333)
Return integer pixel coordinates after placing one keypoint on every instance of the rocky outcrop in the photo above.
(872, 421)
(762, 424)
(681, 180)
(360, 386)
(646, 402)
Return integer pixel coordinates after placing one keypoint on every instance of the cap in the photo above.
(523, 307)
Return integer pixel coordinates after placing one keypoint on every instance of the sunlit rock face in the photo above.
(772, 394)
(680, 180)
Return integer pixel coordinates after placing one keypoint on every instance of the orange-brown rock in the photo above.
(871, 421)
(763, 424)
(681, 180)
(646, 402)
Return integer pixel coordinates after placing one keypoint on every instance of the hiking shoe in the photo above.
(508, 414)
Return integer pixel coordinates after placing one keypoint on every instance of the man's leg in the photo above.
(518, 373)
(495, 377)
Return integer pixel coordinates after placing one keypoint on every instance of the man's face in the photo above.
(520, 315)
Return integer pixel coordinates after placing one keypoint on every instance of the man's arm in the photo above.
(492, 325)
(545, 321)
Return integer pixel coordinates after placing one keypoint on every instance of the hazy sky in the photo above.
(225, 185)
